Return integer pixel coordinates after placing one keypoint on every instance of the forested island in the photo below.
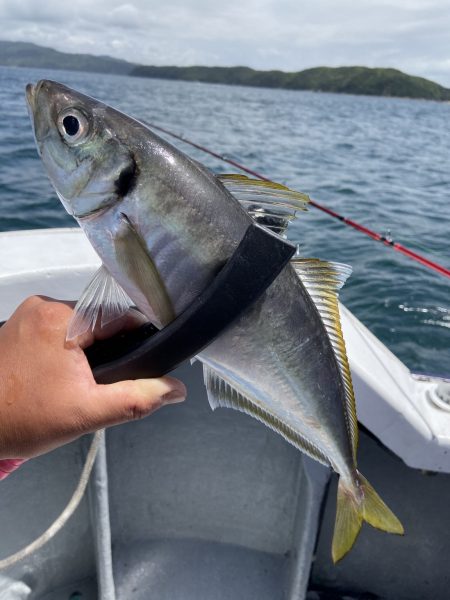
(343, 80)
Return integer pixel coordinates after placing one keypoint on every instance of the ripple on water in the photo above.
(383, 162)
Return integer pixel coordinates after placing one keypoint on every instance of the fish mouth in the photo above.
(31, 105)
(31, 95)
(32, 92)
(36, 112)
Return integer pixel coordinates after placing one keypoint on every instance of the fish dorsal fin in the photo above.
(323, 280)
(223, 395)
(270, 204)
(102, 296)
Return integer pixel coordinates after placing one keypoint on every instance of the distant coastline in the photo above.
(344, 80)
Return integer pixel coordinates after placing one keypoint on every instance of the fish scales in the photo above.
(294, 390)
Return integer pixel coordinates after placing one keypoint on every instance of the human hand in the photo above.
(48, 395)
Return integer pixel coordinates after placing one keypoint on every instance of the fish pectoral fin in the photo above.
(354, 506)
(135, 260)
(103, 297)
(271, 204)
(223, 395)
(323, 280)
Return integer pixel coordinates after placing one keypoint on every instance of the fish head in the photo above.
(83, 146)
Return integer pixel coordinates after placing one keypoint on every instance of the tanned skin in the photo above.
(48, 395)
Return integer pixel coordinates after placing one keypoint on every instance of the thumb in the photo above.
(128, 400)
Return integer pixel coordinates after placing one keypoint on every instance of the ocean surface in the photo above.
(383, 162)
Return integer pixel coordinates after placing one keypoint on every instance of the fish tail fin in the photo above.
(356, 504)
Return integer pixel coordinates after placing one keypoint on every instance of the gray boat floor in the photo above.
(163, 570)
(383, 566)
(222, 571)
(205, 506)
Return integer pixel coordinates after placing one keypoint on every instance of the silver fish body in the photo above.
(280, 335)
(133, 193)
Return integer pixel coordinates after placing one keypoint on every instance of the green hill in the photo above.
(23, 54)
(363, 80)
(344, 80)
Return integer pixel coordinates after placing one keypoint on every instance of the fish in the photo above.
(163, 225)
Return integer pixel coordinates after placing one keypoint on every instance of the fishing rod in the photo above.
(387, 241)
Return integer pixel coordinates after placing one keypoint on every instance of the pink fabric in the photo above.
(8, 465)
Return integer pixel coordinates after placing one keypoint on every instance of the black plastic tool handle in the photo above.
(147, 352)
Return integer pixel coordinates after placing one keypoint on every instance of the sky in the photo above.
(291, 35)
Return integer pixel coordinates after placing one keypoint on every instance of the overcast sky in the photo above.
(412, 35)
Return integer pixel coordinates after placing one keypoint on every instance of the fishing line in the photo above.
(71, 507)
(387, 241)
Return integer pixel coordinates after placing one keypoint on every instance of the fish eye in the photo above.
(73, 125)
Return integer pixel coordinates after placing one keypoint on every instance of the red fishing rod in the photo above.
(430, 264)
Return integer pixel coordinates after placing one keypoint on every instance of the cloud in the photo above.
(124, 16)
(411, 35)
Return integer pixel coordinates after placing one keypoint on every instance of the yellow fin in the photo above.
(271, 204)
(347, 524)
(375, 511)
(355, 506)
(323, 280)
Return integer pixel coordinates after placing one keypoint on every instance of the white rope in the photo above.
(66, 513)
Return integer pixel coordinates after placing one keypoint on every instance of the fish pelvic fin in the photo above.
(103, 297)
(355, 505)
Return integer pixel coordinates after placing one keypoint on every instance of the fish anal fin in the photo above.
(323, 281)
(133, 257)
(271, 204)
(102, 298)
(223, 395)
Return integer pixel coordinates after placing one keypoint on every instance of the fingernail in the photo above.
(173, 397)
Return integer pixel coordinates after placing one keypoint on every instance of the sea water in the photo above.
(383, 162)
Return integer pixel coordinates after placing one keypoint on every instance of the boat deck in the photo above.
(212, 506)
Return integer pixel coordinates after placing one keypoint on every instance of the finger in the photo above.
(130, 320)
(27, 305)
(39, 302)
(128, 400)
(62, 311)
